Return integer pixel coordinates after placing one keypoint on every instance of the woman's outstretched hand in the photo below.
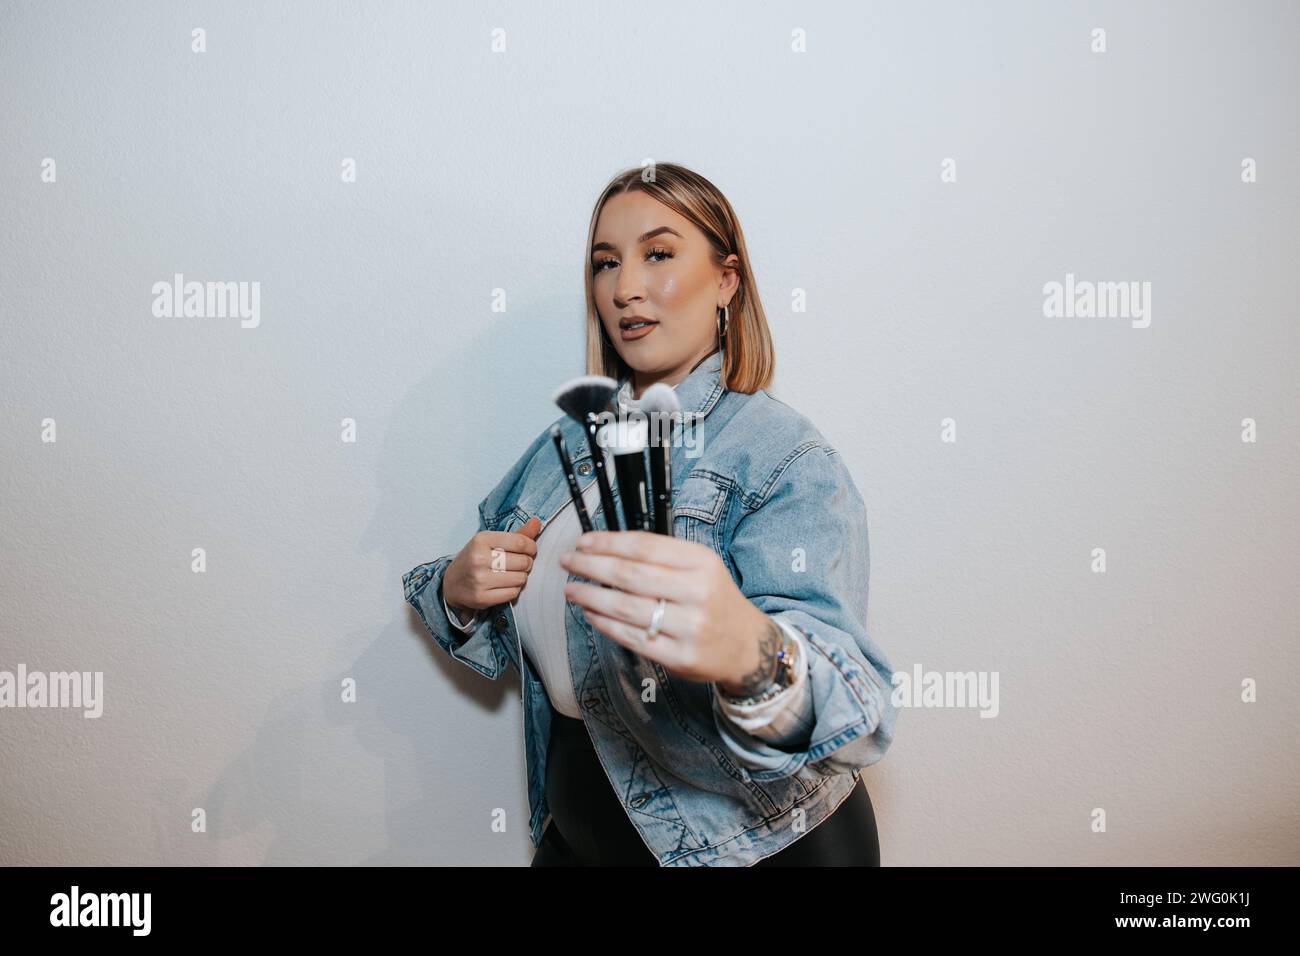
(709, 632)
(491, 569)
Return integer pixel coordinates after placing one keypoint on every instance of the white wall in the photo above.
(476, 171)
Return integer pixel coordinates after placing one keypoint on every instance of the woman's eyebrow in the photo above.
(644, 237)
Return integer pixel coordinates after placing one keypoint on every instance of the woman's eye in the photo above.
(600, 266)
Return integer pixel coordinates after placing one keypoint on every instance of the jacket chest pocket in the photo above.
(698, 507)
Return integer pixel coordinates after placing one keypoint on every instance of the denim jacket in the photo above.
(757, 483)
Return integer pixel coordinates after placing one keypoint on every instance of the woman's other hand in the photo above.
(491, 569)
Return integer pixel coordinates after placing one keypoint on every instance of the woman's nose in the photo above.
(630, 287)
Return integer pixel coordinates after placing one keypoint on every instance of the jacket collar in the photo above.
(698, 392)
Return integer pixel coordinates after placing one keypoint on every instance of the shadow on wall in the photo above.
(422, 792)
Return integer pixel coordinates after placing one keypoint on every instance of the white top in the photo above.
(540, 610)
(540, 607)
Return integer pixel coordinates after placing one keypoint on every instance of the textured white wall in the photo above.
(476, 171)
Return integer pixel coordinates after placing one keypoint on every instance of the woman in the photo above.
(703, 699)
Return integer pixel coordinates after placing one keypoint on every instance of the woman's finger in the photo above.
(493, 580)
(633, 610)
(499, 560)
(636, 577)
(644, 546)
(634, 639)
(513, 540)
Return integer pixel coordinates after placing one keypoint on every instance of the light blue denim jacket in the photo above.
(757, 482)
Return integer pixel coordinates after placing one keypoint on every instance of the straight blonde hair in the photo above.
(749, 359)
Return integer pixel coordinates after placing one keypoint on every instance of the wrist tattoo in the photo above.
(761, 677)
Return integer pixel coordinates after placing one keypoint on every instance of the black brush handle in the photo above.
(662, 480)
(630, 468)
(574, 491)
(602, 480)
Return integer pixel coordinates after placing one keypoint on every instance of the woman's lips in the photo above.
(630, 335)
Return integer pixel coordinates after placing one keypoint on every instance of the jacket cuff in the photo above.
(787, 718)
(422, 586)
(837, 684)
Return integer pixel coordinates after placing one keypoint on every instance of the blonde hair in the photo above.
(749, 359)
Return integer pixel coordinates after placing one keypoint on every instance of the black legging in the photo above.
(590, 828)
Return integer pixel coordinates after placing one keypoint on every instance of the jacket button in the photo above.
(501, 624)
(584, 469)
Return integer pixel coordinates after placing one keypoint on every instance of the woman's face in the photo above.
(649, 262)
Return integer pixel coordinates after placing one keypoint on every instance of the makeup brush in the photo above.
(586, 399)
(574, 491)
(626, 439)
(661, 406)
